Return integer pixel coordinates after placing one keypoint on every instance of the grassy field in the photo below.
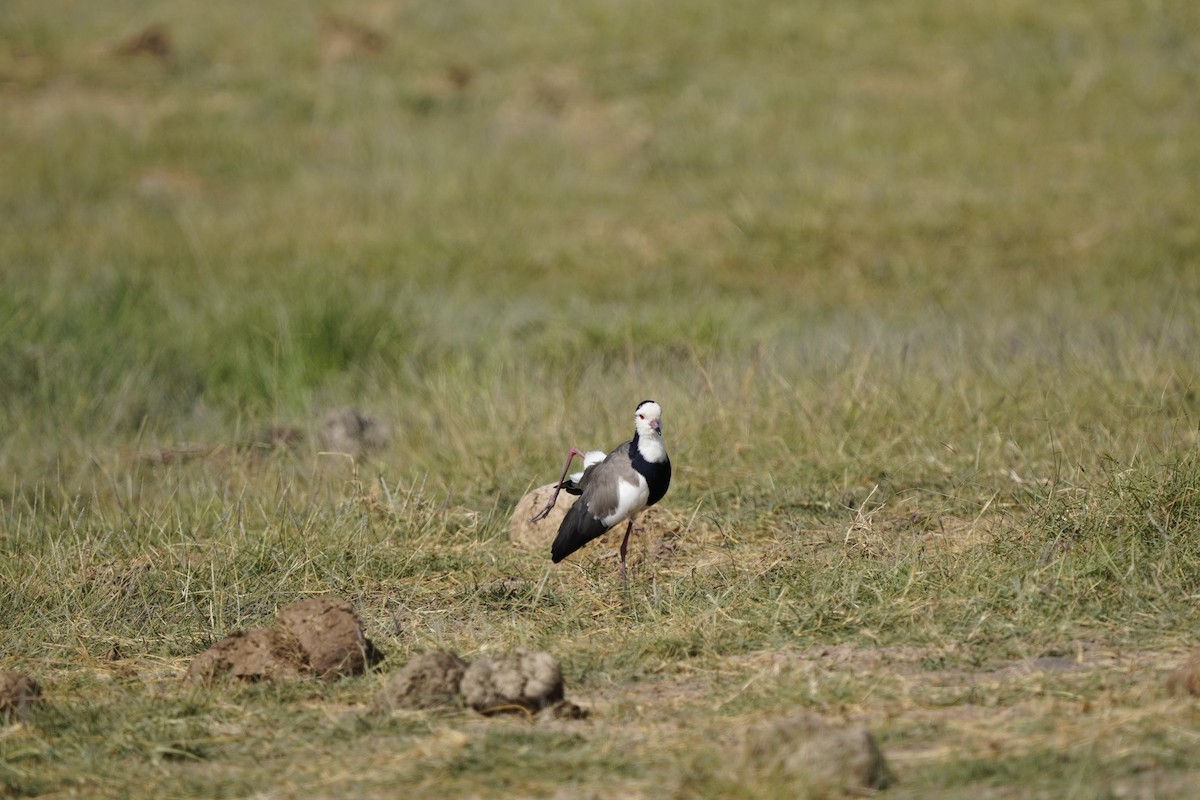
(917, 285)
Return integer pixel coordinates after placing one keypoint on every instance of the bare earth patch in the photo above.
(521, 681)
(18, 693)
(1186, 679)
(259, 654)
(430, 680)
(331, 636)
(321, 637)
(349, 430)
(513, 681)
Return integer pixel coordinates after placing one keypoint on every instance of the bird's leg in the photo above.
(558, 487)
(625, 546)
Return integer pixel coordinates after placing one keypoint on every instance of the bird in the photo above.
(590, 458)
(613, 488)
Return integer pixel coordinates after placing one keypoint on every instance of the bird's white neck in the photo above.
(651, 447)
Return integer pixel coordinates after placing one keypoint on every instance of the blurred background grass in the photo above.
(282, 210)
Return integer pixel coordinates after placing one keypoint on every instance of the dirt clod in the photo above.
(343, 38)
(534, 536)
(18, 693)
(517, 681)
(1186, 679)
(330, 633)
(430, 680)
(154, 40)
(814, 756)
(348, 430)
(321, 636)
(520, 682)
(258, 654)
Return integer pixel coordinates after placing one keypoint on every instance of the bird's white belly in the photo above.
(631, 498)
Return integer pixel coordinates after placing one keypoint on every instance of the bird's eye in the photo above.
(641, 416)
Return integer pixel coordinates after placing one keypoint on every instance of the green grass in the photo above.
(915, 283)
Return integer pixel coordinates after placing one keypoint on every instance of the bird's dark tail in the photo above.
(578, 528)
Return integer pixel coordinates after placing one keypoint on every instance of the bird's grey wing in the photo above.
(600, 482)
(600, 494)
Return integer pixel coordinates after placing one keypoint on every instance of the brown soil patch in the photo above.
(259, 654)
(1186, 679)
(537, 536)
(343, 38)
(330, 634)
(430, 680)
(521, 682)
(321, 637)
(18, 693)
(348, 430)
(153, 40)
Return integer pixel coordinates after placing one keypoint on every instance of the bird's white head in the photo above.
(647, 419)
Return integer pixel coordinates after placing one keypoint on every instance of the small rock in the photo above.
(342, 38)
(1186, 679)
(430, 680)
(258, 654)
(348, 430)
(516, 681)
(331, 636)
(534, 536)
(321, 636)
(460, 76)
(18, 694)
(154, 40)
(814, 756)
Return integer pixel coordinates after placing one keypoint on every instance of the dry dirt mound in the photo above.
(330, 634)
(535, 536)
(18, 693)
(348, 430)
(321, 636)
(259, 654)
(815, 757)
(154, 40)
(652, 525)
(1186, 679)
(431, 680)
(343, 38)
(522, 682)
